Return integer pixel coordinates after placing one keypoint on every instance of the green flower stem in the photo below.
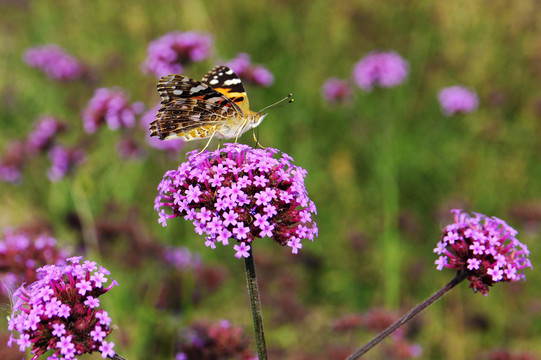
(461, 275)
(118, 357)
(255, 304)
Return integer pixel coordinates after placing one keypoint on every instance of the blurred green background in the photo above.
(384, 169)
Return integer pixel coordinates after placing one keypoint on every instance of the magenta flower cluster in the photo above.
(457, 99)
(485, 248)
(21, 252)
(384, 69)
(63, 161)
(255, 74)
(60, 313)
(220, 341)
(171, 52)
(44, 133)
(336, 90)
(239, 193)
(111, 107)
(54, 61)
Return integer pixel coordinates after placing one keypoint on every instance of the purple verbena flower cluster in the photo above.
(21, 253)
(12, 162)
(63, 161)
(384, 69)
(239, 193)
(219, 341)
(54, 61)
(336, 90)
(111, 107)
(60, 312)
(171, 52)
(44, 133)
(485, 248)
(457, 99)
(256, 74)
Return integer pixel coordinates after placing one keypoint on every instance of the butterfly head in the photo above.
(257, 119)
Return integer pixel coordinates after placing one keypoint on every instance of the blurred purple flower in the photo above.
(63, 161)
(110, 106)
(12, 163)
(384, 69)
(486, 248)
(54, 61)
(60, 312)
(42, 137)
(181, 258)
(248, 72)
(169, 53)
(172, 146)
(129, 149)
(21, 253)
(220, 341)
(239, 193)
(457, 99)
(335, 90)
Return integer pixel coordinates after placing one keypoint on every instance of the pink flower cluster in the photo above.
(255, 74)
(54, 61)
(171, 52)
(111, 107)
(219, 341)
(457, 99)
(44, 133)
(239, 193)
(60, 312)
(384, 69)
(336, 90)
(21, 252)
(63, 161)
(485, 248)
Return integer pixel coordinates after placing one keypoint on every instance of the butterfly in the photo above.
(215, 106)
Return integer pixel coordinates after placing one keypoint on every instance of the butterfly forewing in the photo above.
(225, 81)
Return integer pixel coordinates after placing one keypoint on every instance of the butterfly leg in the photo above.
(256, 139)
(208, 142)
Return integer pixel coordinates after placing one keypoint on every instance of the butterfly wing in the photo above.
(190, 109)
(225, 81)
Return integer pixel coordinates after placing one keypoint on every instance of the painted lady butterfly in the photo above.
(193, 110)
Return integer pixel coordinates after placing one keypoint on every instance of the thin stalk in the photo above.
(461, 275)
(118, 357)
(255, 304)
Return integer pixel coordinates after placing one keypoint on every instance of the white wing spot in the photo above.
(229, 72)
(221, 74)
(177, 92)
(197, 89)
(213, 82)
(232, 81)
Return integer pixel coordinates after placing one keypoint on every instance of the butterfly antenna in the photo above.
(278, 103)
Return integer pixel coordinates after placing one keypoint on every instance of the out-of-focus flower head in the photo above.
(485, 248)
(336, 90)
(54, 61)
(42, 137)
(239, 193)
(171, 52)
(21, 253)
(63, 161)
(457, 99)
(214, 341)
(172, 146)
(248, 72)
(128, 149)
(384, 69)
(111, 107)
(60, 312)
(181, 258)
(12, 163)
